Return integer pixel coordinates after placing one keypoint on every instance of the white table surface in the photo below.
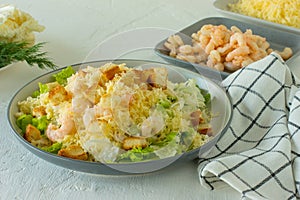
(73, 29)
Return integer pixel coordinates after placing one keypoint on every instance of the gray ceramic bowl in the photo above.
(221, 104)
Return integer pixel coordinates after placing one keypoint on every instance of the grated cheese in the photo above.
(17, 26)
(284, 12)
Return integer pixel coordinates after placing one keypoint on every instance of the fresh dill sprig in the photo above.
(19, 51)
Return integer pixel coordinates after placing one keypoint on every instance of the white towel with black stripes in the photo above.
(259, 154)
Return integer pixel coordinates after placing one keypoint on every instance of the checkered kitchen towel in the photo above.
(259, 154)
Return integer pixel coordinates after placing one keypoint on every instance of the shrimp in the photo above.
(212, 37)
(235, 29)
(203, 36)
(237, 39)
(241, 61)
(259, 54)
(229, 66)
(203, 39)
(224, 50)
(220, 36)
(215, 60)
(188, 58)
(210, 46)
(241, 51)
(199, 53)
(219, 66)
(173, 43)
(186, 49)
(286, 53)
(193, 54)
(55, 133)
(172, 49)
(246, 61)
(236, 48)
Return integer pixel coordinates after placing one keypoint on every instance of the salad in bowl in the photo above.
(119, 114)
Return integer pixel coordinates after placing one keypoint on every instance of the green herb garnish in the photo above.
(20, 51)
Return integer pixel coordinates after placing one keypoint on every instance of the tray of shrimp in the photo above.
(216, 47)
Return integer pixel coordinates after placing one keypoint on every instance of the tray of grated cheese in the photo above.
(281, 14)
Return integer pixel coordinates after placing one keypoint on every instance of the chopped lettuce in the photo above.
(43, 88)
(186, 140)
(63, 75)
(150, 152)
(170, 149)
(40, 123)
(169, 137)
(60, 77)
(137, 154)
(165, 103)
(23, 121)
(174, 143)
(54, 148)
(206, 96)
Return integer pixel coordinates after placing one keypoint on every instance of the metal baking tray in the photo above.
(278, 39)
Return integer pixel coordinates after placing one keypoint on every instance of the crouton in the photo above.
(158, 78)
(32, 134)
(39, 111)
(58, 94)
(112, 71)
(74, 152)
(134, 142)
(196, 118)
(205, 129)
(109, 73)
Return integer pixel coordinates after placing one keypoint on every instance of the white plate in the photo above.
(222, 7)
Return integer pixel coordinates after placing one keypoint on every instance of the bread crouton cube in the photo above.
(39, 111)
(32, 134)
(158, 78)
(58, 94)
(112, 71)
(134, 142)
(74, 152)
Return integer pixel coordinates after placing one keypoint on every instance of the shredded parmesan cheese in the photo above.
(284, 12)
(17, 26)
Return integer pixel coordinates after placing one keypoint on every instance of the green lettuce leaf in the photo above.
(40, 123)
(137, 154)
(169, 137)
(23, 121)
(63, 75)
(54, 148)
(43, 88)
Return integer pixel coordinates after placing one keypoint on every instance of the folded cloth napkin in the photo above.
(259, 153)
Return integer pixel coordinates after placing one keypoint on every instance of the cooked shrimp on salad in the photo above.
(114, 113)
